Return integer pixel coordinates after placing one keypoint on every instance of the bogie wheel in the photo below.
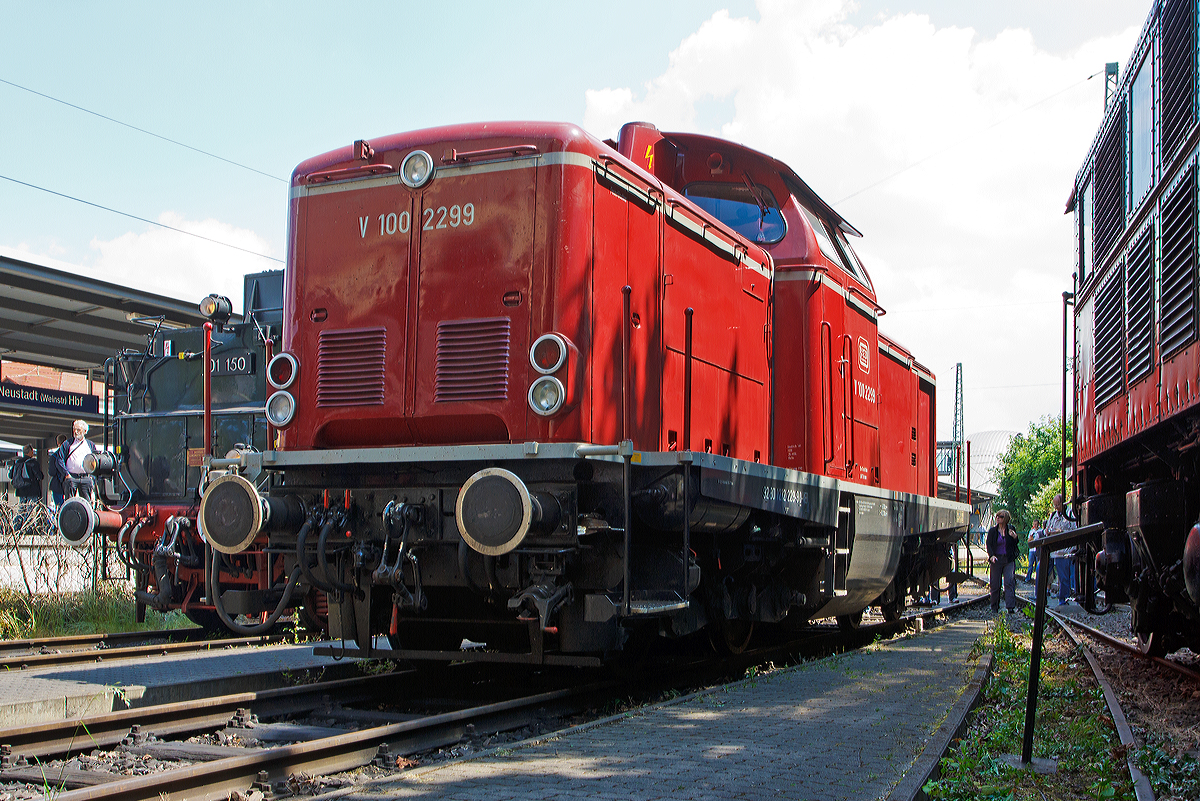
(850, 622)
(731, 636)
(209, 620)
(891, 611)
(1153, 643)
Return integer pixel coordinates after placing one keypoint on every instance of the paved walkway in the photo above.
(847, 727)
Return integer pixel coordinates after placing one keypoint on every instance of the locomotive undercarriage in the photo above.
(528, 557)
(1149, 553)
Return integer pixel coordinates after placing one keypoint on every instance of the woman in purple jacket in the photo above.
(1002, 556)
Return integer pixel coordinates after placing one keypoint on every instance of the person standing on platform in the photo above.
(26, 479)
(69, 461)
(1064, 559)
(56, 478)
(1002, 557)
(1035, 532)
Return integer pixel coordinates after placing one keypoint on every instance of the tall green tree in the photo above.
(1030, 463)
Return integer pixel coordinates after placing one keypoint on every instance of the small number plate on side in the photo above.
(232, 362)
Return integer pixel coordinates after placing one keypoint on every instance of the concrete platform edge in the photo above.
(926, 767)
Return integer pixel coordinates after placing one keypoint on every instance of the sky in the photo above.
(948, 132)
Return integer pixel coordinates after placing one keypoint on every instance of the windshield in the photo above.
(752, 214)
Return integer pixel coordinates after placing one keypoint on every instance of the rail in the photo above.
(109, 654)
(1141, 784)
(217, 779)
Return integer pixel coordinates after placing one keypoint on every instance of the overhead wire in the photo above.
(141, 219)
(143, 130)
(961, 140)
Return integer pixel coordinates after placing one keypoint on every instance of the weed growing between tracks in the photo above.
(108, 609)
(1073, 727)
(1173, 774)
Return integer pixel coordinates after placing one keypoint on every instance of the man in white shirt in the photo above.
(69, 459)
(1064, 559)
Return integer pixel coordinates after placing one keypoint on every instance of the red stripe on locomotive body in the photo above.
(412, 311)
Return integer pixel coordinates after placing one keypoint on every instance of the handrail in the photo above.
(855, 290)
(827, 391)
(360, 170)
(452, 156)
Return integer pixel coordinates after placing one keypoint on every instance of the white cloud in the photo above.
(969, 249)
(181, 266)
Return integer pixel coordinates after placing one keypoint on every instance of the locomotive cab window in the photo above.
(753, 214)
(827, 235)
(855, 265)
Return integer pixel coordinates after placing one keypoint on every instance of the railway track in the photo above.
(66, 738)
(1121, 645)
(264, 767)
(97, 654)
(1141, 783)
(217, 770)
(76, 642)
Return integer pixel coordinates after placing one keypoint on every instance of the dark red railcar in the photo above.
(1137, 356)
(547, 392)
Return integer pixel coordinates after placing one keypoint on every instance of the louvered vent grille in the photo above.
(350, 365)
(1110, 337)
(1179, 265)
(472, 359)
(1141, 307)
(1108, 221)
(1178, 85)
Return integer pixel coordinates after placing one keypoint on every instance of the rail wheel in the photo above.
(891, 603)
(1152, 643)
(851, 621)
(892, 611)
(731, 636)
(207, 619)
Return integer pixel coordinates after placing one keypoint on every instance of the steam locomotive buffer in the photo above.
(561, 395)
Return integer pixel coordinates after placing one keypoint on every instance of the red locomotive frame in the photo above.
(515, 354)
(1136, 398)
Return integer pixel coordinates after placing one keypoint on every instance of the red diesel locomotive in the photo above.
(548, 393)
(1137, 350)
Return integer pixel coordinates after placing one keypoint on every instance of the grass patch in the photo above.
(110, 609)
(1073, 727)
(1173, 773)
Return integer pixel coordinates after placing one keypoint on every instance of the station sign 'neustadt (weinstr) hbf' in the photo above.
(49, 399)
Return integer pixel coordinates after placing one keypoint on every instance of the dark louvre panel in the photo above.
(1141, 307)
(1108, 221)
(472, 360)
(1179, 265)
(1178, 85)
(350, 366)
(1110, 337)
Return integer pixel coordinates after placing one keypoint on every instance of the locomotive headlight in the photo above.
(281, 407)
(282, 370)
(216, 308)
(546, 395)
(416, 169)
(548, 353)
(102, 462)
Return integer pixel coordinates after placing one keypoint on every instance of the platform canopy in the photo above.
(53, 317)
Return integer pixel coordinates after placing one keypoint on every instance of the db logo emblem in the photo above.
(864, 355)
